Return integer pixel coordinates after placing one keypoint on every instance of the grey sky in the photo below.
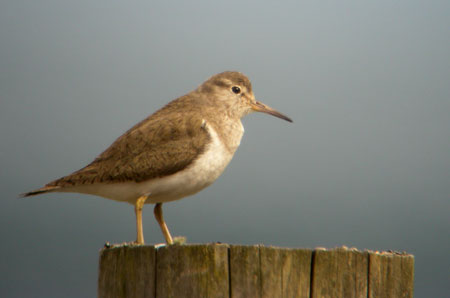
(366, 162)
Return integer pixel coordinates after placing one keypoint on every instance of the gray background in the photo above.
(366, 162)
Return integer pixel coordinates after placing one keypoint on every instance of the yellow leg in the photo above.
(159, 217)
(138, 210)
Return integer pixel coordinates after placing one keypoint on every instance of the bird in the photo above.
(175, 152)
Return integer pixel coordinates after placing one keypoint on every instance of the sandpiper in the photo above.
(174, 153)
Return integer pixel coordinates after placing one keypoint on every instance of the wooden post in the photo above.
(391, 275)
(258, 271)
(339, 272)
(192, 271)
(220, 270)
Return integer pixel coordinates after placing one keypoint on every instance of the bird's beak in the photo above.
(260, 107)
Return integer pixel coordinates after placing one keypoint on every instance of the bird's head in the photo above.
(233, 91)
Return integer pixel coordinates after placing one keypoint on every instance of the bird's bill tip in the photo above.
(258, 106)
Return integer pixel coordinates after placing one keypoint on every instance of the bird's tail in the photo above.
(39, 191)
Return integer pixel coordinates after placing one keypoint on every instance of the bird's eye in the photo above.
(236, 89)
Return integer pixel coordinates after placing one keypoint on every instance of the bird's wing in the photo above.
(153, 148)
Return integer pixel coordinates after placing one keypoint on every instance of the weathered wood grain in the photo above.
(220, 270)
(258, 271)
(192, 271)
(285, 272)
(127, 271)
(245, 274)
(391, 275)
(340, 272)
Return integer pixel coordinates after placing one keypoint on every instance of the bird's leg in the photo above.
(138, 210)
(159, 217)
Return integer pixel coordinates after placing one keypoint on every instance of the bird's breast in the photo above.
(201, 173)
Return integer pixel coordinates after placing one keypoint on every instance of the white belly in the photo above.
(200, 174)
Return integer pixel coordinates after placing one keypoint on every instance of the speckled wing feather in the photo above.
(160, 145)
